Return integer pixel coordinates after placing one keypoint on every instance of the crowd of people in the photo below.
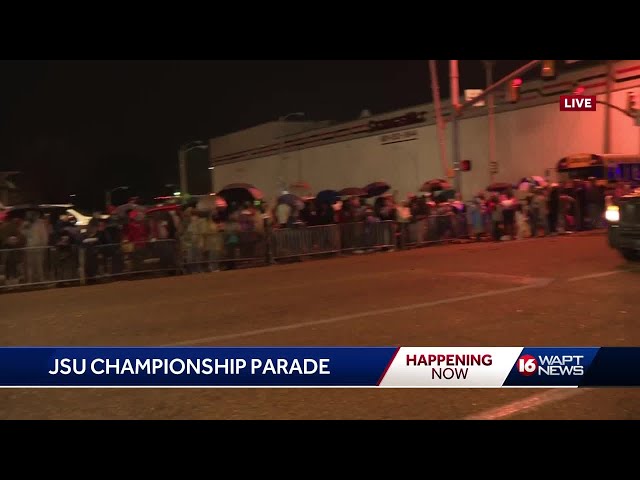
(39, 248)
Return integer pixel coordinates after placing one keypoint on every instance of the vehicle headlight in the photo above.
(612, 214)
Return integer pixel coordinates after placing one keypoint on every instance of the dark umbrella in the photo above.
(292, 200)
(233, 186)
(352, 192)
(327, 197)
(240, 193)
(376, 189)
(444, 195)
(499, 187)
(434, 185)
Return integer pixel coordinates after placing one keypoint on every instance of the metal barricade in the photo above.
(362, 236)
(434, 229)
(29, 267)
(304, 241)
(113, 260)
(223, 250)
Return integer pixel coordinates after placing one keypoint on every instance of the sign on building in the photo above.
(493, 167)
(470, 94)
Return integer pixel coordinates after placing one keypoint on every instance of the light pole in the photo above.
(281, 152)
(182, 162)
(493, 164)
(108, 193)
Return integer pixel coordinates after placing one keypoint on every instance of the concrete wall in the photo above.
(530, 139)
(528, 142)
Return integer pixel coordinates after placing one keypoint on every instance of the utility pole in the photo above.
(182, 164)
(440, 125)
(455, 105)
(493, 164)
(607, 111)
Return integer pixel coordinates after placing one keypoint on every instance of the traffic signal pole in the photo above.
(454, 79)
(458, 109)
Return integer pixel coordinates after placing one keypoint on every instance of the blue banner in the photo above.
(192, 366)
(308, 367)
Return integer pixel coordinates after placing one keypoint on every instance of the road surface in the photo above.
(558, 291)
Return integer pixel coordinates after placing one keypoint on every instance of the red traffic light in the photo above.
(513, 92)
(548, 68)
(465, 165)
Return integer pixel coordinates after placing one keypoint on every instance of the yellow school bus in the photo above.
(605, 168)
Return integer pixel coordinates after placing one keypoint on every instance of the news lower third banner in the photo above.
(318, 367)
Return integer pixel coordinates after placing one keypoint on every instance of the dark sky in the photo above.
(83, 126)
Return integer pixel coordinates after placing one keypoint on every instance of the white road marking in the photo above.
(533, 283)
(599, 275)
(529, 403)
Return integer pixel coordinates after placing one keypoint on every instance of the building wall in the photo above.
(529, 141)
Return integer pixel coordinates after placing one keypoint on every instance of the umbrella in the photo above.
(238, 193)
(352, 192)
(435, 184)
(300, 188)
(499, 186)
(524, 187)
(233, 186)
(163, 208)
(327, 197)
(536, 180)
(211, 202)
(292, 200)
(376, 189)
(444, 195)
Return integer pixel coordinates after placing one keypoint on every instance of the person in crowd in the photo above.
(539, 213)
(91, 243)
(12, 241)
(282, 214)
(554, 208)
(37, 241)
(475, 217)
(508, 203)
(136, 233)
(496, 211)
(523, 226)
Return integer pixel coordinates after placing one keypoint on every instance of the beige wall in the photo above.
(528, 141)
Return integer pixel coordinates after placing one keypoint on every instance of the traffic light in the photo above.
(465, 165)
(513, 92)
(548, 68)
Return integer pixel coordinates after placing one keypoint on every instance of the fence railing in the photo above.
(91, 261)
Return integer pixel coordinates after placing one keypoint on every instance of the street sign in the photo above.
(470, 94)
(493, 167)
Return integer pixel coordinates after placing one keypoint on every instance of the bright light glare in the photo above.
(176, 194)
(612, 214)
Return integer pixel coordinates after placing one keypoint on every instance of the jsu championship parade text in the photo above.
(178, 366)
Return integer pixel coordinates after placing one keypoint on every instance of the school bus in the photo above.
(605, 168)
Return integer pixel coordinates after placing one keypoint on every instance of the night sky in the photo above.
(84, 126)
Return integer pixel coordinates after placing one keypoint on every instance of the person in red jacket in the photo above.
(137, 232)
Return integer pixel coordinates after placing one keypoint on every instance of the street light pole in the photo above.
(493, 164)
(182, 162)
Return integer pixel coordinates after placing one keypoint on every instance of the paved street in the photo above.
(560, 291)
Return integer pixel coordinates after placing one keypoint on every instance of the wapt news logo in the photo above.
(550, 367)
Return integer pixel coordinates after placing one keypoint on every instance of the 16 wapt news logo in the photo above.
(551, 365)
